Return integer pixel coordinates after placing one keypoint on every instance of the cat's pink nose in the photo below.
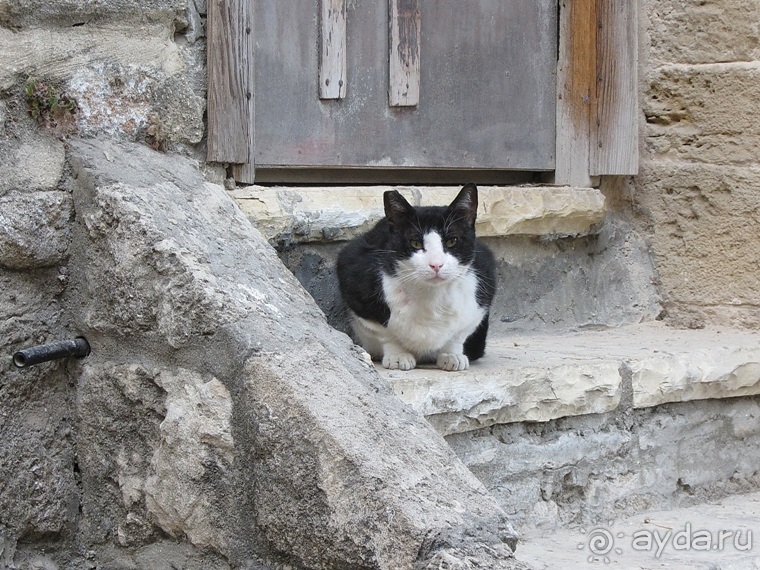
(436, 267)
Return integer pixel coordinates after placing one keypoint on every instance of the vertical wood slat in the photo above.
(576, 84)
(230, 75)
(614, 135)
(332, 58)
(404, 57)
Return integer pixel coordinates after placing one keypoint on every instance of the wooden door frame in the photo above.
(597, 91)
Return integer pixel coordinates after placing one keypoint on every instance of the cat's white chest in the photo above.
(426, 319)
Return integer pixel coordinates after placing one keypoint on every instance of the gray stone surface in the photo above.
(64, 13)
(583, 471)
(30, 161)
(212, 366)
(717, 535)
(571, 284)
(37, 456)
(34, 229)
(130, 77)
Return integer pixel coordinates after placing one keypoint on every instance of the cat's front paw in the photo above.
(399, 361)
(452, 362)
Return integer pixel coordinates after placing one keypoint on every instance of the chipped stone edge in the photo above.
(456, 403)
(461, 402)
(717, 374)
(308, 214)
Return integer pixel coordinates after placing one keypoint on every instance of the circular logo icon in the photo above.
(600, 541)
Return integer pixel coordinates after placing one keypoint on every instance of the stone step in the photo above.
(717, 535)
(324, 214)
(537, 378)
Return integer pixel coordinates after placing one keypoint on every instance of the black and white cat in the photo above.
(419, 285)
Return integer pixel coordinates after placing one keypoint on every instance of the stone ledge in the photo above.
(544, 377)
(285, 214)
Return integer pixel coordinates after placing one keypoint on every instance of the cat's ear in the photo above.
(397, 209)
(466, 203)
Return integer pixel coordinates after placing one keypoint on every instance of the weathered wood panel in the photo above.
(488, 89)
(576, 88)
(230, 71)
(614, 135)
(332, 49)
(404, 56)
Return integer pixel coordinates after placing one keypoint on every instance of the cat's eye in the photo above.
(415, 243)
(451, 242)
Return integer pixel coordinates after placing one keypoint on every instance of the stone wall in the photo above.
(697, 193)
(68, 68)
(132, 69)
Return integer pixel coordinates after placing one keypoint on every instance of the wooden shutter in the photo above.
(596, 110)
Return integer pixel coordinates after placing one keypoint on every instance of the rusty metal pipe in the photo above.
(79, 348)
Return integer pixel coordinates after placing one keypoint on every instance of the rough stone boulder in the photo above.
(218, 408)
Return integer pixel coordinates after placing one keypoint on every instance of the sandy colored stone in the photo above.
(704, 113)
(682, 31)
(704, 238)
(513, 384)
(196, 433)
(710, 371)
(327, 214)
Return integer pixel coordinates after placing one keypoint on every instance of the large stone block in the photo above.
(175, 428)
(713, 371)
(681, 31)
(511, 384)
(704, 226)
(34, 229)
(704, 113)
(126, 79)
(66, 13)
(542, 377)
(328, 214)
(31, 162)
(330, 469)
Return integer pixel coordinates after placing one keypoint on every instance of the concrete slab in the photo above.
(544, 377)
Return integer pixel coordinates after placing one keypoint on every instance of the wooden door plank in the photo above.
(404, 57)
(229, 80)
(489, 73)
(332, 58)
(576, 83)
(614, 135)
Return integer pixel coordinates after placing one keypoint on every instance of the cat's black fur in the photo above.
(363, 261)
